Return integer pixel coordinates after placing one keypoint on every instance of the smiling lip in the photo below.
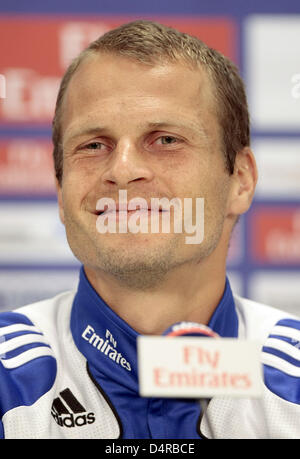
(123, 209)
(124, 212)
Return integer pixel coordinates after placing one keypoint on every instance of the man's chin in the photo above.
(139, 263)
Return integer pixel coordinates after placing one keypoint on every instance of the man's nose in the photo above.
(127, 163)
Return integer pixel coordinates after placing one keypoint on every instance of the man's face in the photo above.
(149, 130)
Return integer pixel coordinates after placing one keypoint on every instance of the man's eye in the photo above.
(93, 146)
(167, 139)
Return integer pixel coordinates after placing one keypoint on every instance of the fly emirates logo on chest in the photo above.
(106, 345)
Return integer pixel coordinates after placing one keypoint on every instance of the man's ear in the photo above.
(60, 201)
(243, 182)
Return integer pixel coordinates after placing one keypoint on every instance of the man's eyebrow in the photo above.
(93, 130)
(190, 126)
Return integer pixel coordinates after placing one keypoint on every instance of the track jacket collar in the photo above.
(109, 343)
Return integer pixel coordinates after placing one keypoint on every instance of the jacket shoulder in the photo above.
(28, 365)
(279, 334)
(257, 319)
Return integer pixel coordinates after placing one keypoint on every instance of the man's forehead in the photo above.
(93, 72)
(98, 63)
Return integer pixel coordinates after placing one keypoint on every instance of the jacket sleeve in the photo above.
(281, 359)
(27, 364)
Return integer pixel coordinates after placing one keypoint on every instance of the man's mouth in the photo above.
(125, 209)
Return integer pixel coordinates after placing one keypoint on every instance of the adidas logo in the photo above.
(67, 411)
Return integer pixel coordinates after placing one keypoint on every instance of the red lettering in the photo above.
(159, 377)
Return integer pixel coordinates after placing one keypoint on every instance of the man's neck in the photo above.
(187, 294)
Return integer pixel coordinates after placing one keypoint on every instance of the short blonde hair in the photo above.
(153, 43)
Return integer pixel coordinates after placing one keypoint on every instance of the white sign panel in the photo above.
(19, 287)
(273, 71)
(279, 289)
(31, 233)
(197, 367)
(278, 163)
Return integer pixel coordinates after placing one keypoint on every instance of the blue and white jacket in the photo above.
(68, 369)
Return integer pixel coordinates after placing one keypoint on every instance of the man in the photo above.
(145, 112)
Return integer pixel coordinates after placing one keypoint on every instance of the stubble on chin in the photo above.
(137, 269)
